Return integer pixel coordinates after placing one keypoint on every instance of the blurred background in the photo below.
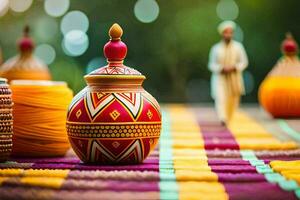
(168, 41)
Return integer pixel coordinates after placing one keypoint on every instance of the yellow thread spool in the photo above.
(40, 109)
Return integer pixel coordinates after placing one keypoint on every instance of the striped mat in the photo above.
(255, 157)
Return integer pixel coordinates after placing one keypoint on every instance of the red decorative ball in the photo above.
(289, 45)
(115, 50)
(26, 44)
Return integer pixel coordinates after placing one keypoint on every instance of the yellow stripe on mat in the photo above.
(59, 173)
(11, 172)
(249, 134)
(35, 177)
(193, 174)
(52, 182)
(289, 169)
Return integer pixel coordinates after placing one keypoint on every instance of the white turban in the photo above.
(225, 25)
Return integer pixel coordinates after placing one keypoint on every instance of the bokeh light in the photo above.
(146, 11)
(227, 10)
(74, 20)
(95, 63)
(46, 53)
(75, 43)
(19, 5)
(46, 28)
(56, 8)
(186, 27)
(4, 6)
(249, 81)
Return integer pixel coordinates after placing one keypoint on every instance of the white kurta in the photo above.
(227, 88)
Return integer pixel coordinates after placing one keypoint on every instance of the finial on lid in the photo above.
(289, 35)
(26, 44)
(26, 31)
(115, 50)
(115, 32)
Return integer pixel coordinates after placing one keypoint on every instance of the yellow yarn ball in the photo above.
(40, 109)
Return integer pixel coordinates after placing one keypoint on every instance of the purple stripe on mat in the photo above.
(115, 175)
(50, 194)
(61, 160)
(150, 164)
(140, 167)
(105, 195)
(241, 180)
(111, 185)
(232, 168)
(220, 143)
(265, 154)
(79, 184)
(241, 177)
(217, 137)
(257, 191)
(152, 160)
(53, 166)
(68, 160)
(230, 161)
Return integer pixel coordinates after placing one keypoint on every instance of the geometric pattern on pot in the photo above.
(151, 99)
(98, 101)
(116, 70)
(132, 101)
(128, 107)
(112, 151)
(77, 97)
(100, 149)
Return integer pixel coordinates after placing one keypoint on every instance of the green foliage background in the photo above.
(173, 50)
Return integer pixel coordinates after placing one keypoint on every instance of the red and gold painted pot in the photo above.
(114, 120)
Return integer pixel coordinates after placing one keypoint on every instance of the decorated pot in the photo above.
(279, 93)
(6, 120)
(114, 120)
(25, 65)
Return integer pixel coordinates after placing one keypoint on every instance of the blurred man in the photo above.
(227, 60)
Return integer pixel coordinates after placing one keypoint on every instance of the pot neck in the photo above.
(115, 83)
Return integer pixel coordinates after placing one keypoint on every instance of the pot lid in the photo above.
(115, 52)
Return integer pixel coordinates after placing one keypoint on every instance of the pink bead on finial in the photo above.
(115, 50)
(26, 44)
